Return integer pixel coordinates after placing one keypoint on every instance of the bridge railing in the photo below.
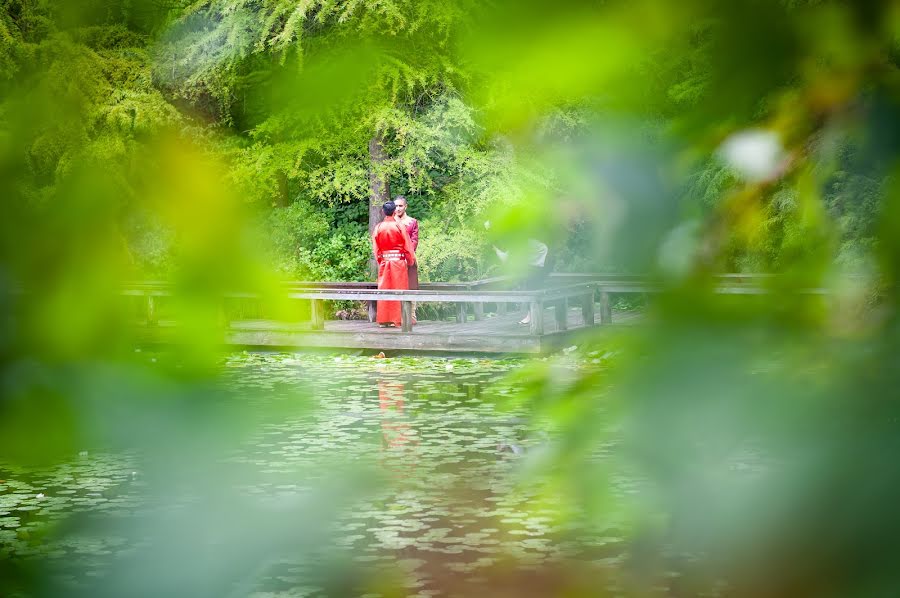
(459, 294)
(587, 290)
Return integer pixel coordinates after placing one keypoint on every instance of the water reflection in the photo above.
(400, 442)
(450, 514)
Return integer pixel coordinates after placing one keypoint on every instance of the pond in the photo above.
(357, 476)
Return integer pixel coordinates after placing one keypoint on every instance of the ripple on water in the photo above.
(449, 502)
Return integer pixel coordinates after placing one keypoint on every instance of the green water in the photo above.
(440, 504)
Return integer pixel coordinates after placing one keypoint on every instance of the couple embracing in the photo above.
(394, 242)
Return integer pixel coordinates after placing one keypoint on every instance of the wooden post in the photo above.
(373, 305)
(406, 316)
(460, 312)
(477, 308)
(501, 308)
(151, 310)
(537, 318)
(605, 308)
(587, 309)
(318, 314)
(223, 313)
(560, 310)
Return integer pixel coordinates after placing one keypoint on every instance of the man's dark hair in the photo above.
(388, 208)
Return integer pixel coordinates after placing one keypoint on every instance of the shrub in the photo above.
(449, 256)
(344, 255)
(296, 226)
(306, 248)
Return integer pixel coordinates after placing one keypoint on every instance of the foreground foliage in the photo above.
(230, 144)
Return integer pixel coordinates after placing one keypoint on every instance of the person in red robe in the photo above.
(394, 254)
(412, 228)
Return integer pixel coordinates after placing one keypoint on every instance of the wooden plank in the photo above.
(537, 318)
(147, 292)
(489, 336)
(560, 310)
(406, 316)
(480, 327)
(605, 308)
(507, 325)
(478, 310)
(301, 284)
(742, 284)
(267, 325)
(377, 339)
(419, 296)
(152, 319)
(318, 314)
(501, 308)
(397, 295)
(554, 341)
(587, 310)
(432, 296)
(379, 295)
(460, 312)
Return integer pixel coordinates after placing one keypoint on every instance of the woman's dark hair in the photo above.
(388, 208)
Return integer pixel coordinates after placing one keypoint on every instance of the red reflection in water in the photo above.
(399, 441)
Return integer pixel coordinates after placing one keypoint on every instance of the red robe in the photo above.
(394, 253)
(400, 443)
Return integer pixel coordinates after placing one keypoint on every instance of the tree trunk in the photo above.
(379, 188)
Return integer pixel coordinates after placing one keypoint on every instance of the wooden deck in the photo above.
(487, 313)
(498, 334)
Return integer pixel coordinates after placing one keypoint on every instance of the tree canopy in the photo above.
(235, 144)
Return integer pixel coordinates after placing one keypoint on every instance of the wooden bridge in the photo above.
(486, 314)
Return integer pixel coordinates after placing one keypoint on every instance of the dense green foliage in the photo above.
(287, 97)
(231, 144)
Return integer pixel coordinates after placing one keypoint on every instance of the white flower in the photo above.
(40, 495)
(756, 155)
(679, 249)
